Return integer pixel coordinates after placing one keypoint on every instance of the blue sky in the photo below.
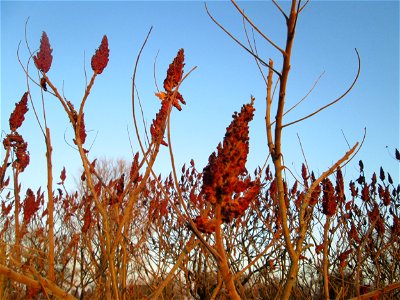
(225, 78)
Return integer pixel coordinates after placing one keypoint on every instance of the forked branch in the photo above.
(334, 101)
(241, 11)
(240, 43)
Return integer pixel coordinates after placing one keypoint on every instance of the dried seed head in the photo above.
(134, 172)
(20, 148)
(63, 175)
(82, 130)
(175, 72)
(329, 201)
(44, 58)
(225, 178)
(87, 218)
(157, 128)
(18, 115)
(169, 97)
(31, 205)
(100, 58)
(204, 224)
(343, 257)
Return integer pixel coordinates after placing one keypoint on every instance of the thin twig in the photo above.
(303, 6)
(84, 68)
(154, 71)
(308, 93)
(27, 83)
(280, 9)
(255, 48)
(143, 118)
(133, 94)
(256, 28)
(358, 149)
(344, 136)
(304, 155)
(334, 101)
(238, 42)
(25, 35)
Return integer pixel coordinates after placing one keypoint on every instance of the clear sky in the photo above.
(225, 78)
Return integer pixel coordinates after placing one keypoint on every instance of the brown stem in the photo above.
(325, 257)
(17, 246)
(50, 207)
(277, 157)
(47, 284)
(268, 109)
(227, 276)
(4, 167)
(277, 153)
(378, 292)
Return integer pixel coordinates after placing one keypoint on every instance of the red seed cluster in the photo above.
(220, 176)
(353, 234)
(365, 192)
(82, 130)
(375, 218)
(17, 117)
(236, 207)
(223, 178)
(384, 195)
(134, 172)
(329, 201)
(204, 224)
(171, 96)
(315, 194)
(87, 218)
(339, 188)
(31, 205)
(157, 128)
(5, 209)
(100, 58)
(304, 175)
(319, 248)
(20, 148)
(63, 175)
(343, 257)
(175, 72)
(43, 59)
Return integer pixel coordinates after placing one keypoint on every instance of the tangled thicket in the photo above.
(127, 233)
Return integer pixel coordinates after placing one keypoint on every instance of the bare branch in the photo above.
(268, 110)
(304, 5)
(344, 136)
(303, 153)
(257, 29)
(133, 93)
(280, 9)
(334, 101)
(308, 93)
(27, 83)
(358, 149)
(143, 118)
(154, 71)
(238, 42)
(255, 48)
(378, 292)
(51, 286)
